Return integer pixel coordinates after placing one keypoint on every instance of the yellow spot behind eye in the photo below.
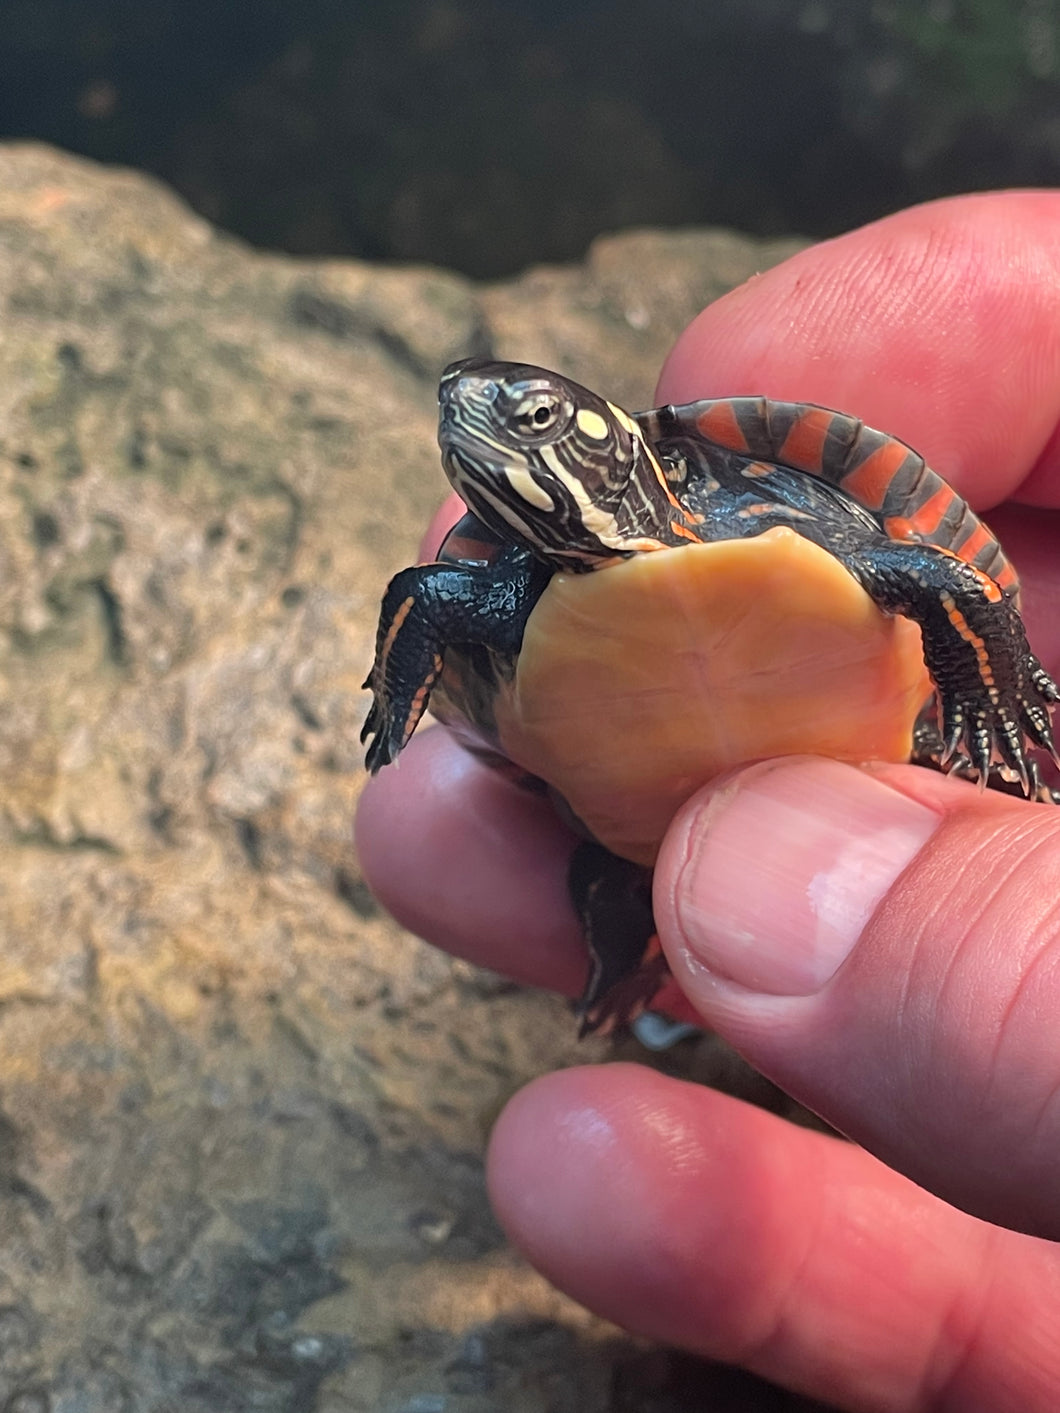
(592, 424)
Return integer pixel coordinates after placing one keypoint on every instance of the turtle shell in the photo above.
(641, 682)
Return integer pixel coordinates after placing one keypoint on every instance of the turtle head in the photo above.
(547, 463)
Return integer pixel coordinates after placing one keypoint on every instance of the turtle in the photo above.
(634, 603)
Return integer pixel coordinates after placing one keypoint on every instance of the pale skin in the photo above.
(903, 972)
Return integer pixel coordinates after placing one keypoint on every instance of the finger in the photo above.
(471, 863)
(442, 521)
(461, 856)
(1031, 538)
(690, 1218)
(940, 324)
(886, 947)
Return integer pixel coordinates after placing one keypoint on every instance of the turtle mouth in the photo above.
(460, 445)
(506, 498)
(466, 474)
(461, 467)
(471, 459)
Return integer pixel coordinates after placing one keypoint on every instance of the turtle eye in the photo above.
(540, 416)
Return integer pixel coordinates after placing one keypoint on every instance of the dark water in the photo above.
(485, 134)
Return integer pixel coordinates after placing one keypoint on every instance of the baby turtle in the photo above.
(768, 567)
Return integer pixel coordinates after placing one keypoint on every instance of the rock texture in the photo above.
(241, 1114)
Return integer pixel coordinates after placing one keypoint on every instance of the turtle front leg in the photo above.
(425, 610)
(994, 695)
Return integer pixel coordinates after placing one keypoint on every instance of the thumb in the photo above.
(885, 944)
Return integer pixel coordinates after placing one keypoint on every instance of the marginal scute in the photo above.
(641, 682)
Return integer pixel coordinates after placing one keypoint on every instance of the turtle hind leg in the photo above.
(995, 697)
(612, 897)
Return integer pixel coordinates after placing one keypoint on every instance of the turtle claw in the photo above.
(1038, 726)
(950, 755)
(982, 751)
(992, 743)
(386, 743)
(1043, 684)
(1009, 740)
(1035, 716)
(388, 725)
(1024, 773)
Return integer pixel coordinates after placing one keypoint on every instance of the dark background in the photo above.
(486, 134)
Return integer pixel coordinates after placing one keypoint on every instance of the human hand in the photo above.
(884, 943)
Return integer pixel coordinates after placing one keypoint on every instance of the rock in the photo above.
(242, 1113)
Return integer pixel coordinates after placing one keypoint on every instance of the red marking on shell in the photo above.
(923, 521)
(978, 540)
(870, 482)
(718, 423)
(1007, 579)
(804, 445)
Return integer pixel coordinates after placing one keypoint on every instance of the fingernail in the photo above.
(784, 866)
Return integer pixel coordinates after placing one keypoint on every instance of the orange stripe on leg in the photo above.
(758, 468)
(974, 641)
(403, 611)
(418, 704)
(990, 587)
